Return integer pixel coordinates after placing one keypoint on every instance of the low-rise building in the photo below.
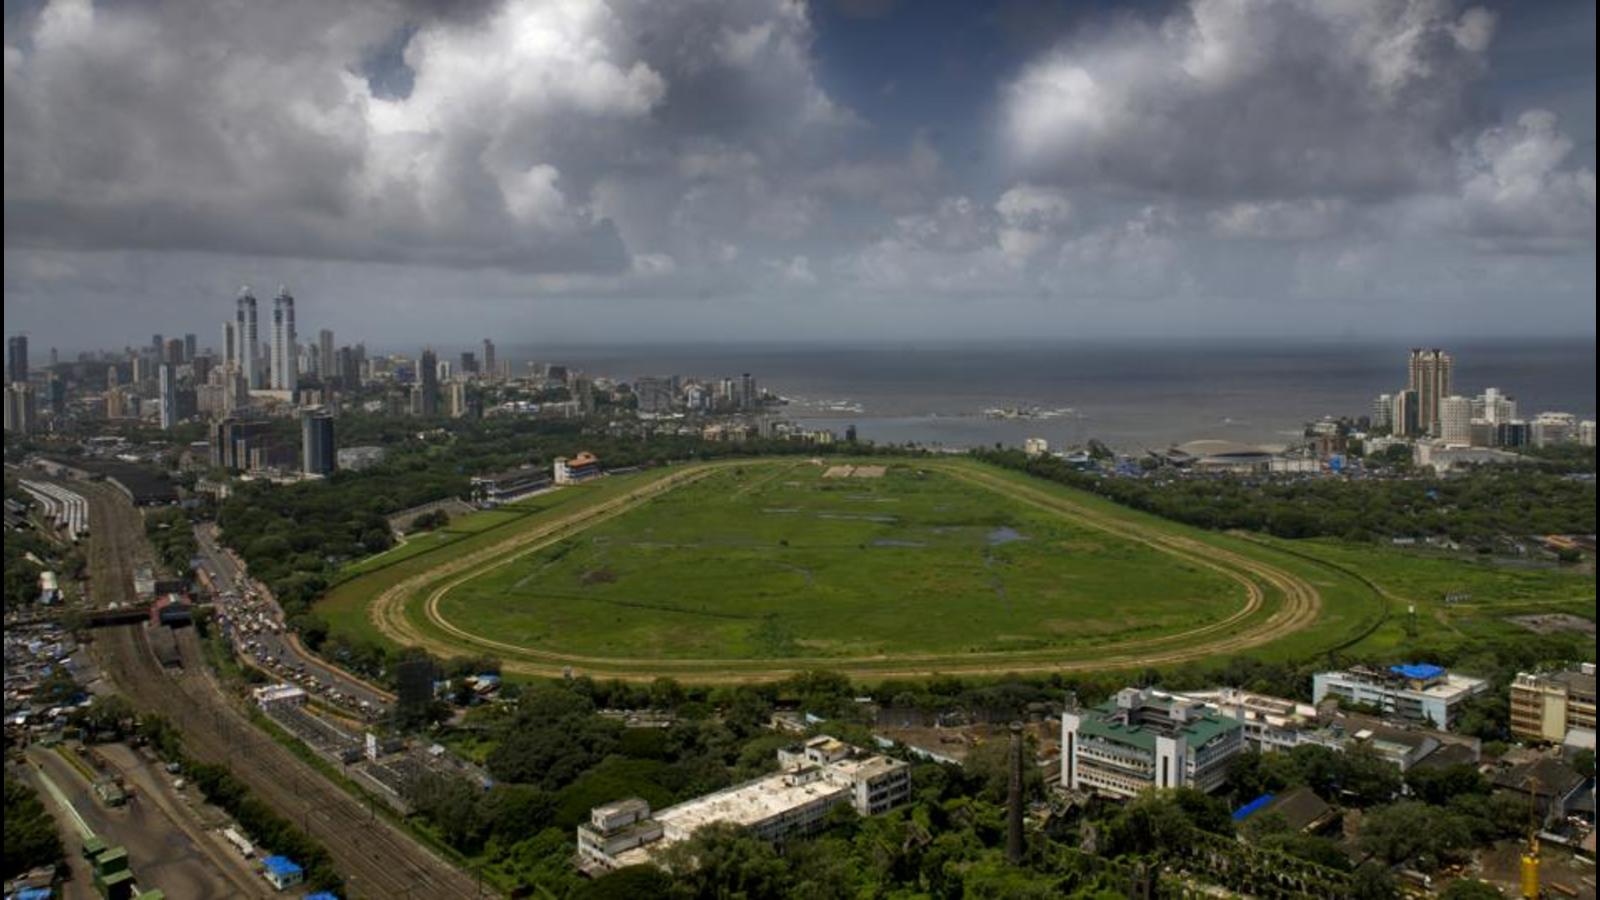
(510, 485)
(579, 468)
(275, 695)
(814, 777)
(282, 872)
(1143, 738)
(1549, 707)
(1416, 693)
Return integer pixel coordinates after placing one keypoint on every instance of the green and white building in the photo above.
(1142, 739)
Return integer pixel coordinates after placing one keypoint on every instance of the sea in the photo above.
(1128, 395)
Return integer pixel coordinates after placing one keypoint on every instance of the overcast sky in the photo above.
(584, 171)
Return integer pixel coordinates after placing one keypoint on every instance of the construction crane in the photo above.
(1530, 859)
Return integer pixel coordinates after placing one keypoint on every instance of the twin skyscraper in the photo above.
(242, 347)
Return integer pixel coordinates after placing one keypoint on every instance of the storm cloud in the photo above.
(700, 169)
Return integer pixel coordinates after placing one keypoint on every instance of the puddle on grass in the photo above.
(1005, 534)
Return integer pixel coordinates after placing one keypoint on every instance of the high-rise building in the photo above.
(55, 357)
(158, 345)
(1494, 407)
(1383, 413)
(428, 384)
(244, 330)
(56, 388)
(113, 377)
(317, 453)
(228, 348)
(413, 687)
(347, 371)
(191, 346)
(1455, 420)
(1431, 373)
(1549, 428)
(168, 375)
(747, 391)
(1407, 414)
(19, 408)
(285, 366)
(17, 359)
(173, 353)
(326, 363)
(138, 371)
(457, 392)
(490, 370)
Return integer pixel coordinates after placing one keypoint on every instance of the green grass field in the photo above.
(761, 567)
(779, 561)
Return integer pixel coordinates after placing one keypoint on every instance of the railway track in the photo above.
(376, 859)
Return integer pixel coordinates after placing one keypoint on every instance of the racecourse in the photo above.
(757, 569)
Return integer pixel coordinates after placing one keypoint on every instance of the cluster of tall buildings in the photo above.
(1428, 408)
(658, 395)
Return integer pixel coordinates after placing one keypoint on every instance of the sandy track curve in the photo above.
(1243, 629)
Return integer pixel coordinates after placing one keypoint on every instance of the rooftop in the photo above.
(1198, 730)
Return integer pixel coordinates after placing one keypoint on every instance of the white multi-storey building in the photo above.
(1455, 421)
(1143, 739)
(815, 777)
(1417, 692)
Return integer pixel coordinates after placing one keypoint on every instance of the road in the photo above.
(270, 645)
(161, 851)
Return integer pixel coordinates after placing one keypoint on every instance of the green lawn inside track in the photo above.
(892, 566)
(776, 560)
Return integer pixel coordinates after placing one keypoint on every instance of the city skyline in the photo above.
(1412, 168)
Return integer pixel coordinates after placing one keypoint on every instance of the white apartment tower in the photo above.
(285, 363)
(1455, 421)
(244, 333)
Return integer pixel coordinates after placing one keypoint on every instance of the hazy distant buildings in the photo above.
(1431, 375)
(19, 408)
(168, 378)
(456, 392)
(326, 361)
(16, 359)
(1549, 428)
(426, 402)
(285, 370)
(655, 395)
(490, 366)
(317, 453)
(1383, 413)
(1407, 415)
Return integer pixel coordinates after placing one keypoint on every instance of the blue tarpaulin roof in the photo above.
(1245, 811)
(1421, 671)
(321, 895)
(281, 865)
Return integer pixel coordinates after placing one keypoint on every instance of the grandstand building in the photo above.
(582, 467)
(510, 485)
